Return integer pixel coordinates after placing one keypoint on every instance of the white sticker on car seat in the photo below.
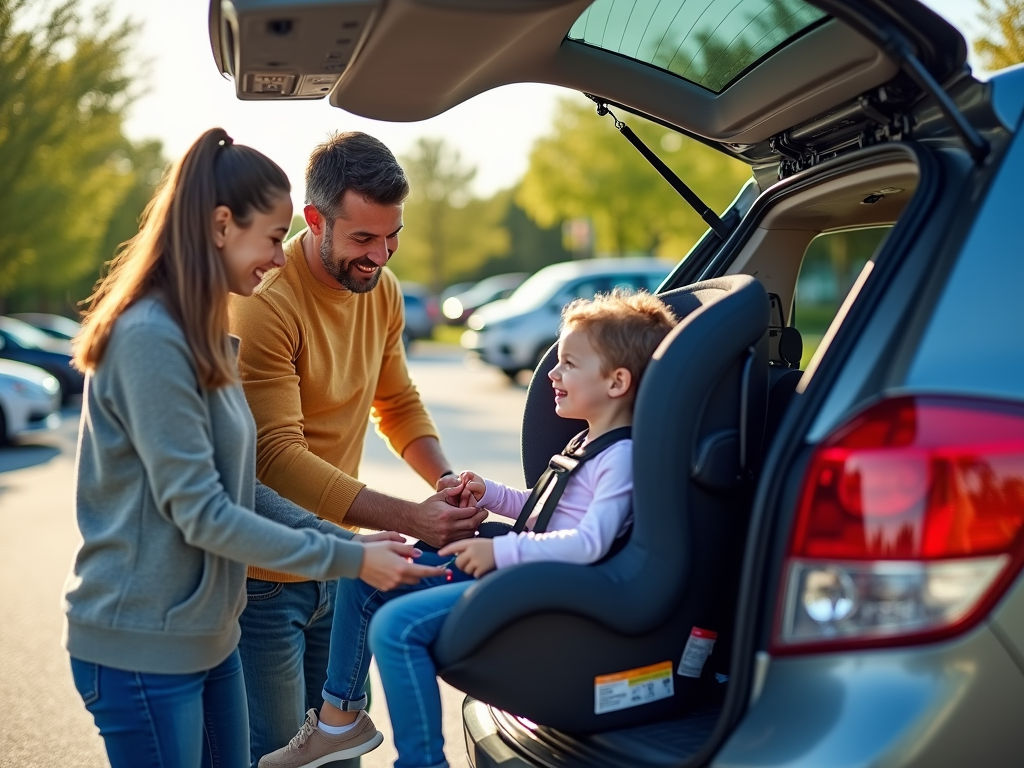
(698, 648)
(632, 688)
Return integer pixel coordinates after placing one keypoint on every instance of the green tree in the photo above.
(531, 247)
(586, 170)
(1003, 42)
(66, 170)
(447, 231)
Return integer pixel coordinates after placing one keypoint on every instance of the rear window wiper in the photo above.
(702, 209)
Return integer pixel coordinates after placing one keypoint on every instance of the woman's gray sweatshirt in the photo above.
(164, 499)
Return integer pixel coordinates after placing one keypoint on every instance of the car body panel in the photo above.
(57, 326)
(29, 398)
(886, 707)
(979, 316)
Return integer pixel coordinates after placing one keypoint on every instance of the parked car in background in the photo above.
(454, 290)
(457, 309)
(514, 333)
(29, 400)
(57, 326)
(420, 312)
(23, 343)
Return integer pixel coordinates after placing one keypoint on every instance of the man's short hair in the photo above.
(356, 161)
(624, 328)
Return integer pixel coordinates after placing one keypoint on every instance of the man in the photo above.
(321, 350)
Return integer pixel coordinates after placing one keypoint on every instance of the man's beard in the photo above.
(348, 277)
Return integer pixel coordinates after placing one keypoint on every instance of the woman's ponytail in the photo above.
(174, 254)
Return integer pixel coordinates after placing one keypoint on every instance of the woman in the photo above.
(165, 473)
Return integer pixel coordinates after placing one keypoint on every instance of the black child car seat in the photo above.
(588, 648)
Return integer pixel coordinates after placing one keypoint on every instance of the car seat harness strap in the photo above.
(551, 484)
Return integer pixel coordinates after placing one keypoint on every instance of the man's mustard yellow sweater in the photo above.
(316, 362)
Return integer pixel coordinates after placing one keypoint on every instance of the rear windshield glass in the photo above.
(708, 42)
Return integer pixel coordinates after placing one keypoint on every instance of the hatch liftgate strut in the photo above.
(702, 209)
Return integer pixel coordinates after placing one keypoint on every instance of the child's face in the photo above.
(582, 391)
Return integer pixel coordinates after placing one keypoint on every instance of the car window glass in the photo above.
(629, 282)
(830, 267)
(708, 42)
(535, 292)
(583, 289)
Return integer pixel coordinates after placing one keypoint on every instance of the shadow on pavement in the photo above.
(24, 456)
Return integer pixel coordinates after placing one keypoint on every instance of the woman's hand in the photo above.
(365, 538)
(474, 556)
(388, 564)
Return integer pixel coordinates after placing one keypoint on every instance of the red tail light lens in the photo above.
(909, 524)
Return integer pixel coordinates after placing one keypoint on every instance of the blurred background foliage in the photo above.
(585, 169)
(72, 185)
(1002, 43)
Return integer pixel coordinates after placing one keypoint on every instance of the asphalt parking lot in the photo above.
(42, 720)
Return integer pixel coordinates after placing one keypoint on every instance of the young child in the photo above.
(603, 349)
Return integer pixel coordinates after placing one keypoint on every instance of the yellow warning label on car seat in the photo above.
(622, 690)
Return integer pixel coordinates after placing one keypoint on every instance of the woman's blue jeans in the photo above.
(401, 636)
(159, 721)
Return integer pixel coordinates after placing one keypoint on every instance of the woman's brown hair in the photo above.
(173, 254)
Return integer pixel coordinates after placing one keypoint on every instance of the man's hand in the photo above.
(366, 538)
(475, 556)
(388, 564)
(439, 523)
(447, 481)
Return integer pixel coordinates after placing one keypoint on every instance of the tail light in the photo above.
(909, 525)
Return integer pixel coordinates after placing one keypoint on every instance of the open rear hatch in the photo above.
(773, 82)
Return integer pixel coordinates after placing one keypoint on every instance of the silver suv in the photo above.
(825, 565)
(514, 333)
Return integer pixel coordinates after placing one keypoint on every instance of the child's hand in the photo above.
(474, 556)
(468, 492)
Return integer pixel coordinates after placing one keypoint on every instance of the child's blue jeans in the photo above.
(401, 636)
(355, 604)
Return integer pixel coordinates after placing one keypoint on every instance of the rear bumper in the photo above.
(484, 746)
(944, 706)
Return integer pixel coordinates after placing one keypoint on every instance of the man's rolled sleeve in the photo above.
(398, 413)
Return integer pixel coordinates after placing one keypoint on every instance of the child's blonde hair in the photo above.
(624, 328)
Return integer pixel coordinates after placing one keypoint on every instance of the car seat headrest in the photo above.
(791, 347)
(785, 345)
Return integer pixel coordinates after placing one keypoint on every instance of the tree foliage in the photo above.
(1003, 42)
(585, 169)
(71, 185)
(447, 231)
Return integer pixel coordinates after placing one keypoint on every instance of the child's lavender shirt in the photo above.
(594, 509)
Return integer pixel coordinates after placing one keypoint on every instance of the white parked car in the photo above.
(29, 400)
(514, 333)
